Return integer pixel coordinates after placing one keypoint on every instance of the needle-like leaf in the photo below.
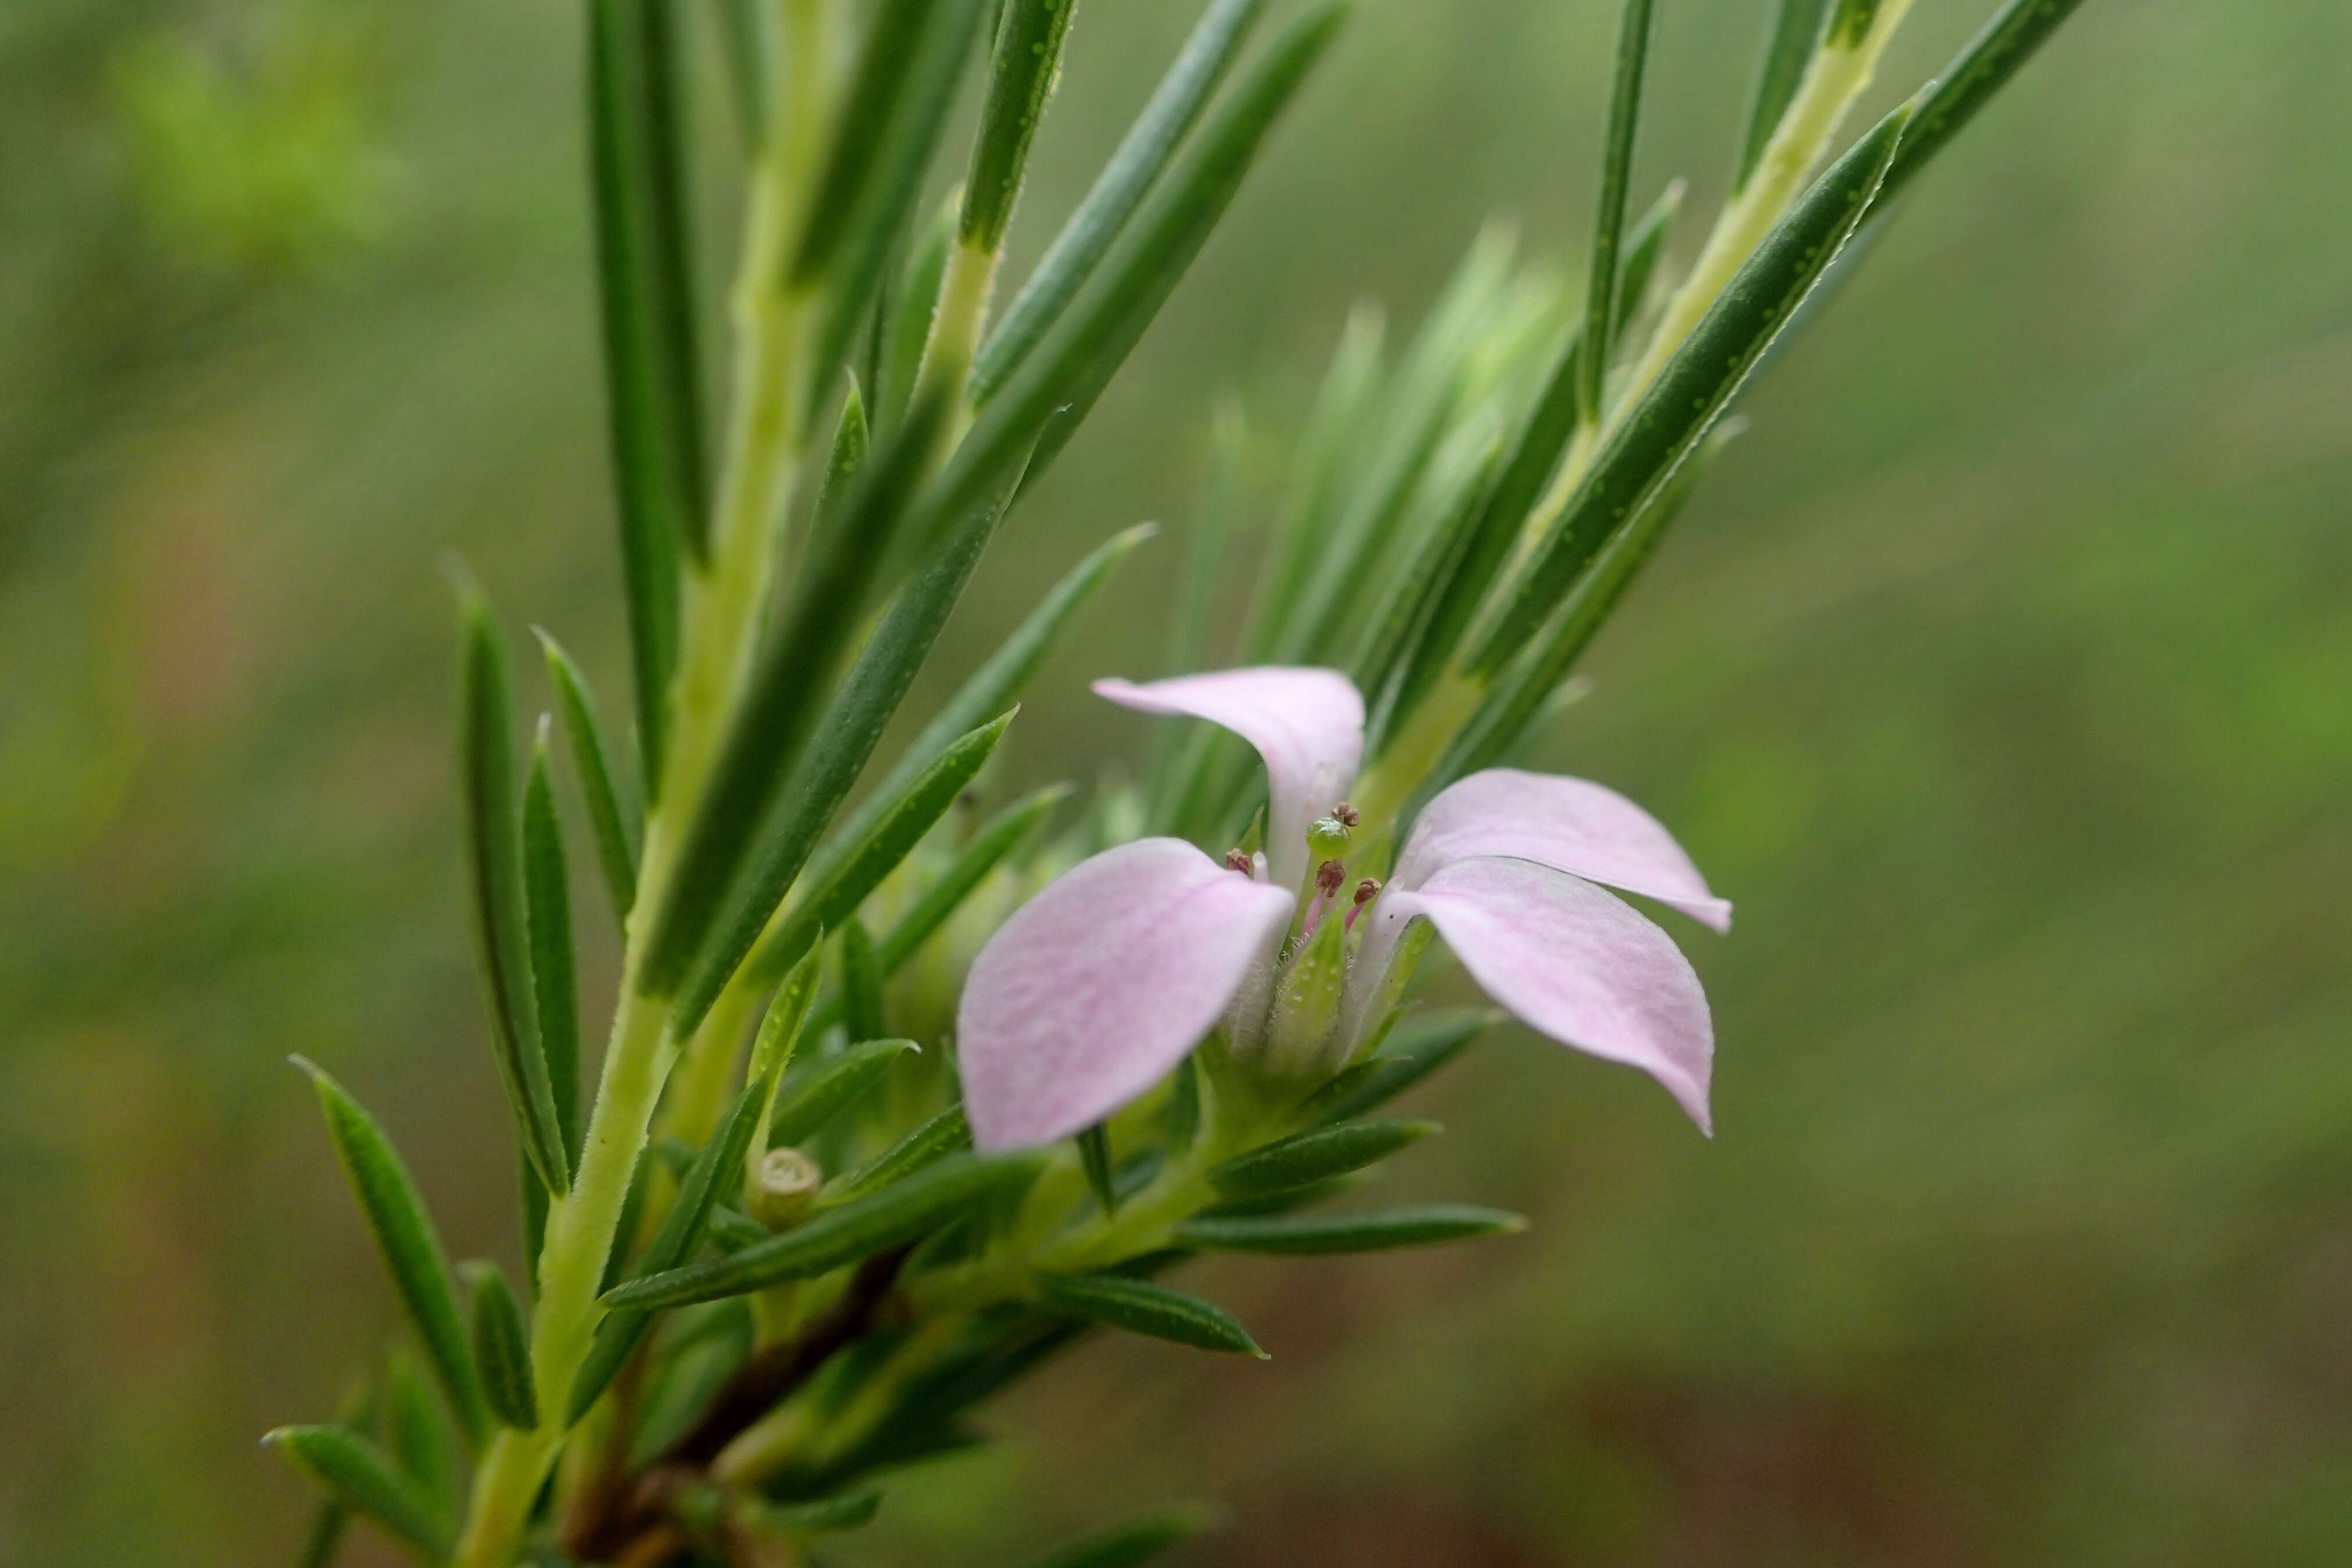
(1609, 222)
(501, 920)
(1026, 64)
(1375, 1230)
(1134, 166)
(554, 971)
(943, 1134)
(1141, 1307)
(612, 826)
(1796, 34)
(1691, 392)
(861, 981)
(815, 1094)
(502, 1347)
(843, 884)
(902, 1212)
(1309, 1157)
(412, 1250)
(357, 1474)
(1416, 1047)
(1982, 69)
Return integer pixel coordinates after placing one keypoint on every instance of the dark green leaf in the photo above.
(1061, 378)
(1609, 222)
(885, 177)
(502, 1348)
(1028, 60)
(906, 325)
(732, 1230)
(853, 721)
(356, 1473)
(1411, 599)
(1850, 22)
(1416, 1047)
(777, 713)
(861, 983)
(1017, 825)
(717, 1169)
(652, 378)
(495, 862)
(1296, 1161)
(417, 1432)
(843, 461)
(547, 898)
(1644, 247)
(412, 1250)
(1093, 1153)
(902, 1212)
(743, 25)
(944, 1134)
(1796, 34)
(1969, 82)
(1520, 693)
(633, 1203)
(1132, 1544)
(826, 1516)
(1137, 163)
(355, 1413)
(1141, 1307)
(841, 882)
(613, 828)
(818, 1092)
(1676, 410)
(1420, 1225)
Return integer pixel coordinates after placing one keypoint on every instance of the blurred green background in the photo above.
(2002, 675)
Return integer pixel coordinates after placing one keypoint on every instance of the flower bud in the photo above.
(786, 1190)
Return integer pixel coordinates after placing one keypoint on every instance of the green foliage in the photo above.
(1306, 1158)
(822, 1090)
(1141, 1307)
(613, 828)
(1373, 1230)
(1132, 1544)
(1600, 318)
(357, 1474)
(944, 1134)
(905, 1211)
(502, 1347)
(1027, 63)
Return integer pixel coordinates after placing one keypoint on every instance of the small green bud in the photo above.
(786, 1189)
(1326, 838)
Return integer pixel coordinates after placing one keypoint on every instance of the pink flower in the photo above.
(1101, 985)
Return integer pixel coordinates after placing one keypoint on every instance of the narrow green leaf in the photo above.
(906, 325)
(1212, 525)
(826, 1516)
(1375, 1230)
(411, 1247)
(861, 983)
(495, 861)
(1850, 21)
(853, 227)
(613, 828)
(818, 1092)
(853, 721)
(1027, 63)
(732, 1230)
(1134, 167)
(775, 718)
(944, 1134)
(646, 278)
(1697, 381)
(1459, 500)
(1643, 247)
(1416, 1047)
(1306, 1157)
(1060, 379)
(1141, 1307)
(717, 1168)
(502, 1348)
(356, 1473)
(1966, 85)
(1518, 694)
(1001, 834)
(843, 461)
(1132, 1544)
(633, 1205)
(329, 1524)
(1796, 35)
(1093, 1153)
(554, 972)
(773, 1048)
(997, 839)
(1609, 222)
(991, 689)
(902, 1212)
(835, 888)
(418, 1435)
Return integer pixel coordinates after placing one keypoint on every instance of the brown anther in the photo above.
(1238, 860)
(1328, 876)
(1348, 815)
(1367, 890)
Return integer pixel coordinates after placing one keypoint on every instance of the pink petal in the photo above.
(1574, 962)
(1307, 725)
(1570, 825)
(1099, 986)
